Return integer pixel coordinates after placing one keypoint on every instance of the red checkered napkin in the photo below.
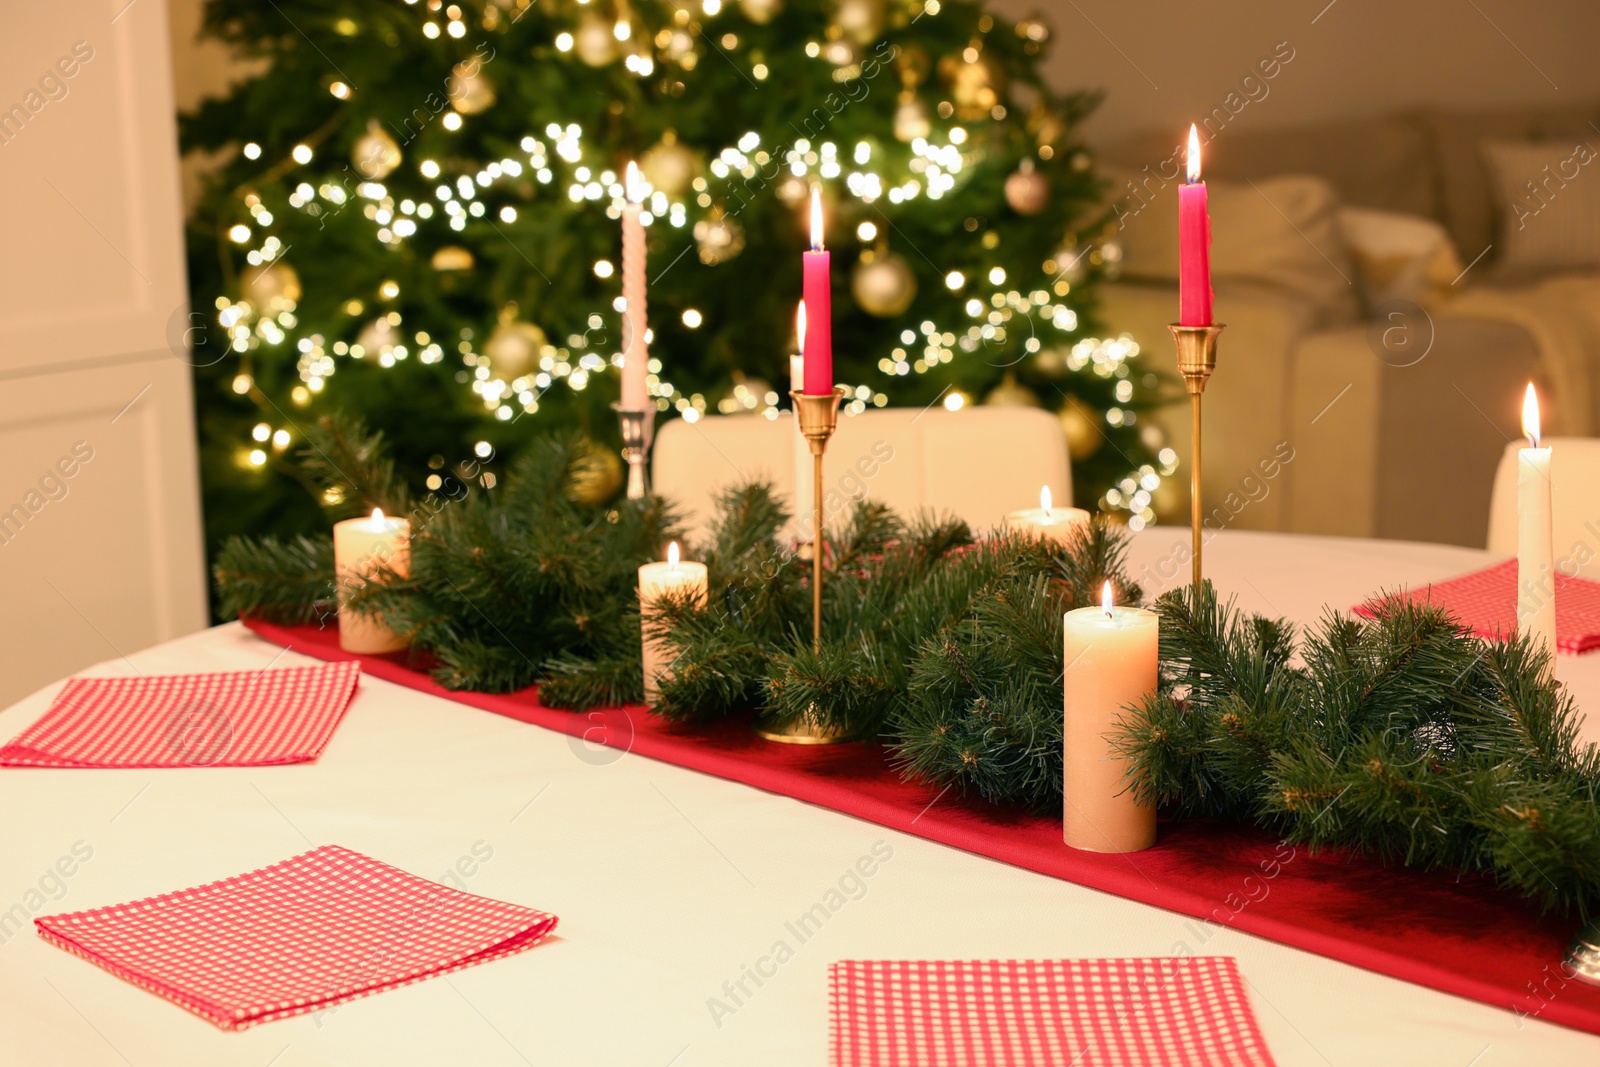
(239, 719)
(1089, 1013)
(322, 928)
(1486, 602)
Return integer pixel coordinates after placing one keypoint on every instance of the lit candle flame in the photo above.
(378, 521)
(1105, 599)
(1046, 503)
(672, 555)
(816, 218)
(1193, 158)
(800, 325)
(1530, 416)
(632, 184)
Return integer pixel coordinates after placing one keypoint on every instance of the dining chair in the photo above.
(976, 464)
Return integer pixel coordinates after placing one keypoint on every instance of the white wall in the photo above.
(1166, 62)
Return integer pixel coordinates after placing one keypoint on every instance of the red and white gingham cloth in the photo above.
(1089, 1013)
(236, 719)
(1486, 602)
(316, 930)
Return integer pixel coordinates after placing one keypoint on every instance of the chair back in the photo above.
(976, 464)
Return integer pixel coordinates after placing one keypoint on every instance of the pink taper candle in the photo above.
(819, 308)
(1194, 244)
(635, 356)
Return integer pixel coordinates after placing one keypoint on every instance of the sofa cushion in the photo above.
(1549, 206)
(1276, 232)
(1381, 162)
(1464, 194)
(1398, 256)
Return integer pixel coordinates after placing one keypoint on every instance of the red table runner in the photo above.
(1454, 933)
(1042, 1013)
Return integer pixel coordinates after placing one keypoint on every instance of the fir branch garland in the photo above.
(283, 581)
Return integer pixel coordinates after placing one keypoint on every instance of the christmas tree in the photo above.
(416, 220)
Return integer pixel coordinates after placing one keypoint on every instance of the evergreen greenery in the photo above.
(1403, 735)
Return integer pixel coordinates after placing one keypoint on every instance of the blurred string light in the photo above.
(556, 157)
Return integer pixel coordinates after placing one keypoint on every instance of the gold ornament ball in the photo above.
(271, 288)
(862, 21)
(452, 257)
(718, 238)
(595, 40)
(669, 166)
(883, 285)
(378, 337)
(1081, 424)
(975, 86)
(514, 347)
(469, 88)
(1027, 191)
(761, 12)
(596, 474)
(1011, 393)
(1051, 362)
(911, 118)
(375, 154)
(1170, 499)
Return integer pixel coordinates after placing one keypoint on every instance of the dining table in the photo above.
(673, 887)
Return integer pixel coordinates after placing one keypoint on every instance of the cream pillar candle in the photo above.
(1111, 662)
(654, 580)
(360, 548)
(1536, 574)
(1048, 521)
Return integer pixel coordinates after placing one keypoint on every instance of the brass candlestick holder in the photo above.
(819, 416)
(638, 430)
(1197, 358)
(1583, 956)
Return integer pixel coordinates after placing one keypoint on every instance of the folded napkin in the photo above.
(1089, 1013)
(316, 930)
(237, 719)
(1486, 602)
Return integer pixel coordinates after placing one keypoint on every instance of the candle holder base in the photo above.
(803, 733)
(819, 417)
(1583, 955)
(1197, 359)
(638, 430)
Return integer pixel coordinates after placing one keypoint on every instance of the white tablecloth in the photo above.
(673, 888)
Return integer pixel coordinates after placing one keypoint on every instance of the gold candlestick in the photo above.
(819, 416)
(638, 427)
(1197, 358)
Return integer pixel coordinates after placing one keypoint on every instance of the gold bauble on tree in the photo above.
(861, 21)
(976, 85)
(761, 12)
(595, 39)
(469, 89)
(718, 238)
(378, 338)
(1011, 393)
(669, 166)
(514, 347)
(1081, 424)
(375, 154)
(452, 258)
(883, 284)
(1027, 191)
(596, 474)
(271, 287)
(911, 118)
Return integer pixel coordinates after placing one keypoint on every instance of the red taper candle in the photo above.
(1194, 244)
(819, 308)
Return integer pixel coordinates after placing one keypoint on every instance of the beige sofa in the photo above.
(1387, 417)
